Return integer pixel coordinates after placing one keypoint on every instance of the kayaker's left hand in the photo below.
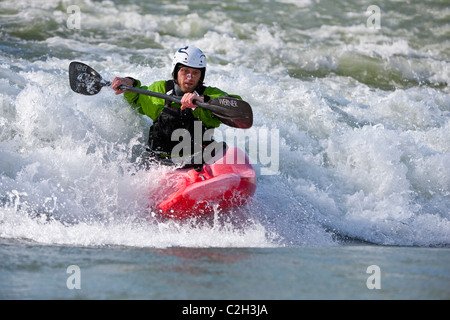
(188, 100)
(117, 82)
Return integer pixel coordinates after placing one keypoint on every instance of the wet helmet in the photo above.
(189, 56)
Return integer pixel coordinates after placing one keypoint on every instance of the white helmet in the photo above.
(189, 56)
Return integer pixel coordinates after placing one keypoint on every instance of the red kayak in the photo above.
(226, 183)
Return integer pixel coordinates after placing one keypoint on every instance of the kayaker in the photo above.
(188, 74)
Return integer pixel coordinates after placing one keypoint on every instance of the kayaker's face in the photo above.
(188, 78)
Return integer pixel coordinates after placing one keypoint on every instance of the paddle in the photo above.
(231, 111)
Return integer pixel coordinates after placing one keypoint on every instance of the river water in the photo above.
(351, 128)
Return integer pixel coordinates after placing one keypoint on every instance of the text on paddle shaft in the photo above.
(228, 103)
(263, 146)
(81, 67)
(232, 309)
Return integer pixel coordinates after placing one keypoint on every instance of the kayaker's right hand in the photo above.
(117, 82)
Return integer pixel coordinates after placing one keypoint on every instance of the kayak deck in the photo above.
(226, 183)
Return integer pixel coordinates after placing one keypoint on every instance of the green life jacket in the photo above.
(171, 119)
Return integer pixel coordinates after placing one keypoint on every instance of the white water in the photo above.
(357, 158)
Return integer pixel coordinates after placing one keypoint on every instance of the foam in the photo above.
(359, 158)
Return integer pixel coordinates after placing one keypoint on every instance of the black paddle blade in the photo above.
(233, 112)
(85, 80)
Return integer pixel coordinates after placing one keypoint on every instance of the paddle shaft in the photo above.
(162, 96)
